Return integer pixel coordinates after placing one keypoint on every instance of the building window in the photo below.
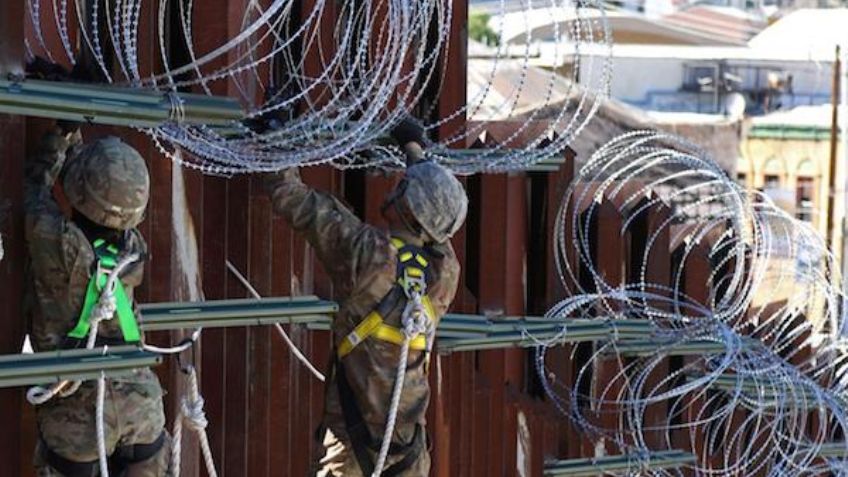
(771, 182)
(804, 194)
(699, 78)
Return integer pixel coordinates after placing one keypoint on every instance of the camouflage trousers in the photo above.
(339, 460)
(132, 415)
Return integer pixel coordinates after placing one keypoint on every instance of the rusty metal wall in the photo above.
(487, 417)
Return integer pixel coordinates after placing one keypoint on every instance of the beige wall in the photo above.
(790, 159)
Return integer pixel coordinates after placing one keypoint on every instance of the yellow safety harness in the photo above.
(413, 270)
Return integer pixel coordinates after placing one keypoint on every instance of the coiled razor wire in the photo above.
(327, 82)
(771, 398)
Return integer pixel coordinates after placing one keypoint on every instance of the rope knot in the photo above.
(415, 320)
(193, 413)
(106, 307)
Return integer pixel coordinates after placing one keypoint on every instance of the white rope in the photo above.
(101, 431)
(415, 321)
(292, 347)
(191, 412)
(195, 335)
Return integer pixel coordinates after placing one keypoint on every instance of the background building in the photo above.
(786, 155)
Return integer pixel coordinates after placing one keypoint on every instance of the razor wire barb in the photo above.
(326, 82)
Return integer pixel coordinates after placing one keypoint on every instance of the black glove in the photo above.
(40, 68)
(408, 130)
(85, 70)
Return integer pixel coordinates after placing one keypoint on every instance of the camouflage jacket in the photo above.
(361, 262)
(62, 259)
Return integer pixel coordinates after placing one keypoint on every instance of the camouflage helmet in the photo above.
(435, 198)
(108, 183)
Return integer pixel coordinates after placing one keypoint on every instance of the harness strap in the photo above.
(67, 467)
(133, 454)
(363, 442)
(373, 326)
(121, 458)
(412, 274)
(107, 256)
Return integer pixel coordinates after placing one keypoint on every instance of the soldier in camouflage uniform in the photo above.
(424, 212)
(107, 184)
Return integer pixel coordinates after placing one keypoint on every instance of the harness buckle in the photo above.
(354, 338)
(413, 285)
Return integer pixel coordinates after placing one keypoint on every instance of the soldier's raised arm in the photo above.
(328, 225)
(41, 172)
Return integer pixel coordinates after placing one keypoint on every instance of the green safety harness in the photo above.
(107, 259)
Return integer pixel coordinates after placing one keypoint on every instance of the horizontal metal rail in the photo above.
(132, 107)
(72, 365)
(456, 332)
(763, 392)
(528, 332)
(834, 450)
(550, 163)
(112, 105)
(619, 464)
(242, 312)
(645, 348)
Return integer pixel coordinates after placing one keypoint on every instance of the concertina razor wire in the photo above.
(334, 110)
(327, 82)
(769, 395)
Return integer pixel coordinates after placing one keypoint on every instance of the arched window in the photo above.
(773, 173)
(805, 190)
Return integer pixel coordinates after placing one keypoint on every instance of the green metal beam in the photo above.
(762, 391)
(72, 365)
(834, 450)
(243, 312)
(457, 332)
(549, 163)
(511, 333)
(647, 348)
(131, 107)
(111, 105)
(619, 464)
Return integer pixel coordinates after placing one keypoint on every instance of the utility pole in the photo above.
(834, 136)
(843, 129)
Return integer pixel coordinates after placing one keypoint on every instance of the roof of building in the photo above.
(725, 24)
(626, 27)
(815, 32)
(716, 134)
(801, 36)
(504, 88)
(812, 116)
(803, 122)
